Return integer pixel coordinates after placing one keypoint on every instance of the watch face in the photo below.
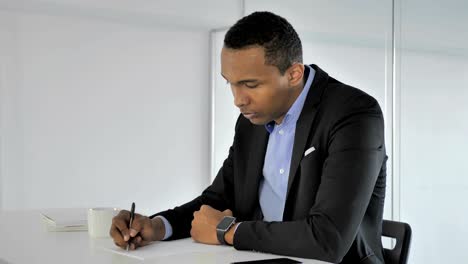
(225, 223)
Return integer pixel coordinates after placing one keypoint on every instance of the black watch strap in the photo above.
(226, 223)
(220, 234)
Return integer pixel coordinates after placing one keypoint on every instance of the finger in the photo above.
(121, 222)
(118, 239)
(227, 212)
(139, 224)
(124, 214)
(138, 241)
(134, 241)
(120, 245)
(143, 243)
(206, 207)
(116, 235)
(193, 234)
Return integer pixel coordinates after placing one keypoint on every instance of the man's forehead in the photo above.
(246, 63)
(243, 57)
(252, 51)
(237, 74)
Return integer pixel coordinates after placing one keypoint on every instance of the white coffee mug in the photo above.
(100, 221)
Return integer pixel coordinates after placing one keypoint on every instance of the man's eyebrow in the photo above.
(241, 81)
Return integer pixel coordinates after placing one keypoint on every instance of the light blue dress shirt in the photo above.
(274, 184)
(167, 226)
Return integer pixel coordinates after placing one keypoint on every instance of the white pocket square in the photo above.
(310, 150)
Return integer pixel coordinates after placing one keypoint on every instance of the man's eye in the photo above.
(251, 85)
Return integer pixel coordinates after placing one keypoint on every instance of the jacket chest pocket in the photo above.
(307, 184)
(311, 164)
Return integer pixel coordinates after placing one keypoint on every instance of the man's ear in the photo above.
(295, 73)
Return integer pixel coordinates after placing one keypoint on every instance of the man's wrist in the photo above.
(159, 230)
(229, 235)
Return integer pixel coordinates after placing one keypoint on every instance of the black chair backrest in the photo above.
(402, 233)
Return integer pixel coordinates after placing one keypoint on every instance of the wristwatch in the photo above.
(223, 227)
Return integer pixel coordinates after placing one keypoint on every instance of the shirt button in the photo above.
(281, 132)
(281, 171)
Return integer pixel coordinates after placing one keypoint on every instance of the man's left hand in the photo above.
(204, 224)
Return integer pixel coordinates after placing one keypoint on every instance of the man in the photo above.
(305, 175)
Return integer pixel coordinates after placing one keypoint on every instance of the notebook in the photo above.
(62, 220)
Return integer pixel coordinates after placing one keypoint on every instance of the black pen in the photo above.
(132, 215)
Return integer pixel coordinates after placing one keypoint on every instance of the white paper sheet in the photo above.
(65, 219)
(167, 248)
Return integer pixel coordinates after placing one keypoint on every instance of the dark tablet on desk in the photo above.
(269, 261)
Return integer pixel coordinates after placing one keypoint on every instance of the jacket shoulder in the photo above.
(342, 98)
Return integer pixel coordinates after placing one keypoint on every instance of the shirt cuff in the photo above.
(167, 227)
(237, 226)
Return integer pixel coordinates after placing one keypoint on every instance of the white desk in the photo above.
(23, 239)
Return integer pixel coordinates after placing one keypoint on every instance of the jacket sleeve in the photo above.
(355, 156)
(219, 195)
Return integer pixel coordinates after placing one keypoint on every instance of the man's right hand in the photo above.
(142, 232)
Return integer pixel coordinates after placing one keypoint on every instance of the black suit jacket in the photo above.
(335, 194)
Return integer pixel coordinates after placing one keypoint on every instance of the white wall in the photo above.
(2, 112)
(432, 67)
(434, 140)
(103, 110)
(223, 111)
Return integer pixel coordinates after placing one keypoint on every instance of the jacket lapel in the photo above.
(255, 161)
(305, 121)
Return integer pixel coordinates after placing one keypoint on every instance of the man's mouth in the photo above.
(249, 115)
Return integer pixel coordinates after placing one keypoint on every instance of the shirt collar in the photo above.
(293, 113)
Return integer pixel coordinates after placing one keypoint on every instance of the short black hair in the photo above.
(275, 34)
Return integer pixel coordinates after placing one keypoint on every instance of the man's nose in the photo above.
(240, 98)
